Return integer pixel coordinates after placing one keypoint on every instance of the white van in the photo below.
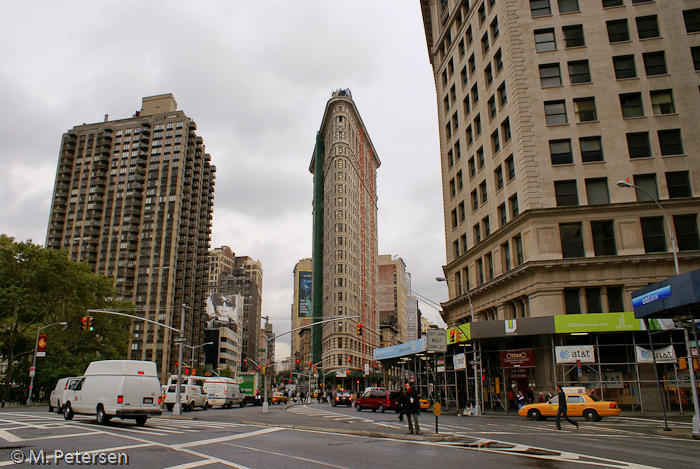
(58, 395)
(223, 391)
(128, 389)
(191, 393)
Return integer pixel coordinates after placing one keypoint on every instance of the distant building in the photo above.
(301, 312)
(134, 199)
(345, 270)
(225, 317)
(245, 277)
(412, 313)
(392, 296)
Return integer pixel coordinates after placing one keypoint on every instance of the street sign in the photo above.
(436, 409)
(32, 371)
(180, 340)
(437, 340)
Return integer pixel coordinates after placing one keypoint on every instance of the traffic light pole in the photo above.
(177, 408)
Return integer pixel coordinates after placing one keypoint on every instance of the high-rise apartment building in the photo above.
(543, 107)
(392, 295)
(134, 198)
(246, 279)
(345, 268)
(222, 262)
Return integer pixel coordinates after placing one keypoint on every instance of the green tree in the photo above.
(39, 287)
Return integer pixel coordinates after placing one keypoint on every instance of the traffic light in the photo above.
(452, 335)
(84, 323)
(310, 364)
(349, 359)
(91, 323)
(359, 328)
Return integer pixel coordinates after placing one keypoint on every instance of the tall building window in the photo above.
(695, 54)
(541, 8)
(505, 130)
(670, 142)
(573, 36)
(484, 192)
(572, 303)
(498, 61)
(505, 256)
(571, 240)
(617, 30)
(603, 238)
(611, 3)
(654, 63)
(460, 181)
(585, 110)
(502, 217)
(550, 75)
(514, 209)
(566, 193)
(638, 145)
(555, 112)
(568, 6)
(485, 44)
(662, 102)
(495, 142)
(591, 149)
(544, 40)
(498, 178)
(479, 271)
(502, 95)
(647, 27)
(648, 183)
(678, 184)
(492, 107)
(597, 191)
(477, 233)
(686, 227)
(616, 304)
(594, 302)
(475, 201)
(691, 19)
(477, 124)
(624, 67)
(518, 250)
(653, 234)
(494, 29)
(486, 224)
(631, 105)
(472, 168)
(510, 168)
(560, 151)
(480, 157)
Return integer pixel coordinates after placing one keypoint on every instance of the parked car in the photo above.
(378, 400)
(58, 396)
(342, 398)
(191, 393)
(127, 389)
(577, 405)
(279, 398)
(222, 391)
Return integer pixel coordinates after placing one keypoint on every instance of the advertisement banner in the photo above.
(597, 322)
(574, 353)
(522, 358)
(663, 355)
(459, 361)
(304, 306)
(41, 346)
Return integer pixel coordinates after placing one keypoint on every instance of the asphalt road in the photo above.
(322, 436)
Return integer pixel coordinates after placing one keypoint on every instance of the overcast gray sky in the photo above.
(255, 76)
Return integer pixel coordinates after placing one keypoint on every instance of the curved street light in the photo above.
(471, 311)
(670, 232)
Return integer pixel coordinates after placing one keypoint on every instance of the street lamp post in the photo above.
(668, 225)
(474, 356)
(36, 346)
(195, 347)
(177, 408)
(624, 184)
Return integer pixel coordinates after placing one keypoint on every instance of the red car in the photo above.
(379, 400)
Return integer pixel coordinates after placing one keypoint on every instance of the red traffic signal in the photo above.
(452, 335)
(359, 328)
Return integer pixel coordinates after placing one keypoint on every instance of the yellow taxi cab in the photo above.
(577, 405)
(424, 404)
(279, 398)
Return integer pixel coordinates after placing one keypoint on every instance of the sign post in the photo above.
(437, 412)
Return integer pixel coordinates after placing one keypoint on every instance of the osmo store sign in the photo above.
(575, 353)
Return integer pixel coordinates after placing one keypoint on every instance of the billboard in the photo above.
(225, 308)
(304, 305)
(522, 358)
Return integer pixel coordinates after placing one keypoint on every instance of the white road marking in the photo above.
(227, 438)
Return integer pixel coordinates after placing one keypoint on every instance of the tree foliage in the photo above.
(39, 287)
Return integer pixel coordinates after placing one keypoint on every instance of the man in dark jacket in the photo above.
(411, 407)
(561, 410)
